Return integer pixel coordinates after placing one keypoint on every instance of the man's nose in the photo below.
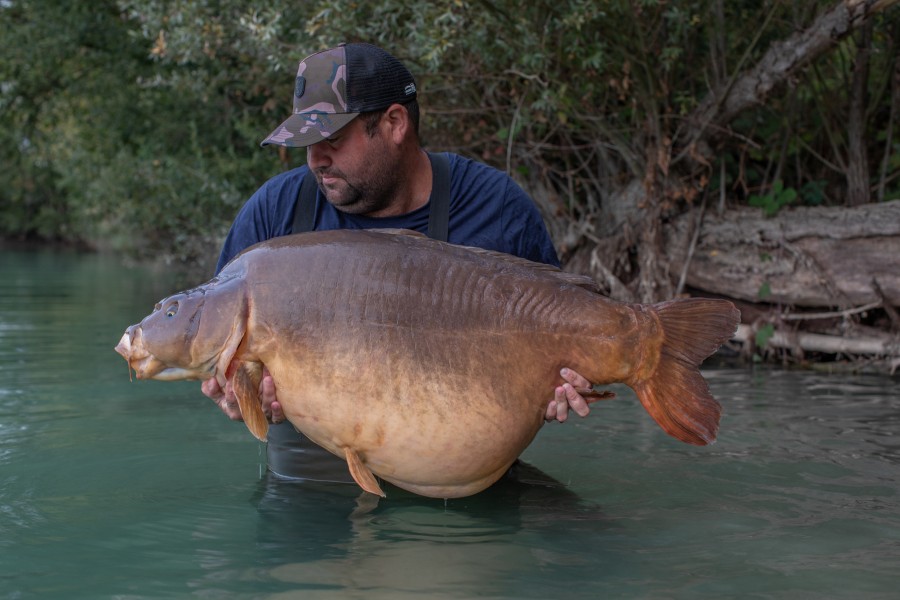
(317, 155)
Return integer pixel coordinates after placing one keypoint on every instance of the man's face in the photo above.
(357, 173)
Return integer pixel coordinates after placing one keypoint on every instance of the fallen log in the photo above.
(812, 257)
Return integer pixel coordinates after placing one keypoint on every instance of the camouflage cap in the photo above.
(333, 86)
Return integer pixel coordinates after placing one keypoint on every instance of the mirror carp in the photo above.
(422, 363)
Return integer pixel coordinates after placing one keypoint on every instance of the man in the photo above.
(355, 111)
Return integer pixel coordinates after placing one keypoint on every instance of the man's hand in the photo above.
(567, 396)
(224, 399)
(228, 404)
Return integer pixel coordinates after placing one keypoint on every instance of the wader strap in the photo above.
(305, 210)
(438, 216)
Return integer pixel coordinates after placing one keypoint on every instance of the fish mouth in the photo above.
(146, 366)
(131, 348)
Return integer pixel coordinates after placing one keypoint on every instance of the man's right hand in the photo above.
(227, 402)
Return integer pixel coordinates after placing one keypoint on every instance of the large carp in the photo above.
(428, 364)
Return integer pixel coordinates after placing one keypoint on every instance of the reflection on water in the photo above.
(139, 490)
(339, 539)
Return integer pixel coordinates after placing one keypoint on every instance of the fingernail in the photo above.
(564, 372)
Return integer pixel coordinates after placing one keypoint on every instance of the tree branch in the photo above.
(782, 61)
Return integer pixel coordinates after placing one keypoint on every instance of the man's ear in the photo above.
(396, 121)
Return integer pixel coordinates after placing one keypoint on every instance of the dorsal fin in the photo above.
(581, 281)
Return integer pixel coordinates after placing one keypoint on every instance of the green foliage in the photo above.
(108, 142)
(777, 198)
(135, 124)
(762, 337)
(812, 193)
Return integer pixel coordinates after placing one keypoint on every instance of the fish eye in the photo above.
(172, 310)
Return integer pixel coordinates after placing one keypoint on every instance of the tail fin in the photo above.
(675, 394)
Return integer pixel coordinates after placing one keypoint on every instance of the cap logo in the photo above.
(299, 86)
(409, 89)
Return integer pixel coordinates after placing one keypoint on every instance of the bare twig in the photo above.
(693, 246)
(830, 315)
(890, 310)
(512, 134)
(536, 78)
(721, 187)
(889, 130)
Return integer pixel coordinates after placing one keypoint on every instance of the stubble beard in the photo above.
(369, 194)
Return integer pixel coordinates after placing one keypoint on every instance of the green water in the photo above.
(111, 489)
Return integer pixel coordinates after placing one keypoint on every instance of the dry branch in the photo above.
(828, 344)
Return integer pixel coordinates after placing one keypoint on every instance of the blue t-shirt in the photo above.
(487, 209)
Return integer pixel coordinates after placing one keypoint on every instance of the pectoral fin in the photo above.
(361, 473)
(245, 382)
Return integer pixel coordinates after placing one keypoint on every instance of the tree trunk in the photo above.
(858, 186)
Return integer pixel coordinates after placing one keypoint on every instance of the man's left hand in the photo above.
(566, 397)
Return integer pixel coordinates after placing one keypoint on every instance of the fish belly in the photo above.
(439, 422)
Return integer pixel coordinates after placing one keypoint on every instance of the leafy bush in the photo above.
(135, 124)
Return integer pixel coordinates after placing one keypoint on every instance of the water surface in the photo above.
(111, 489)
